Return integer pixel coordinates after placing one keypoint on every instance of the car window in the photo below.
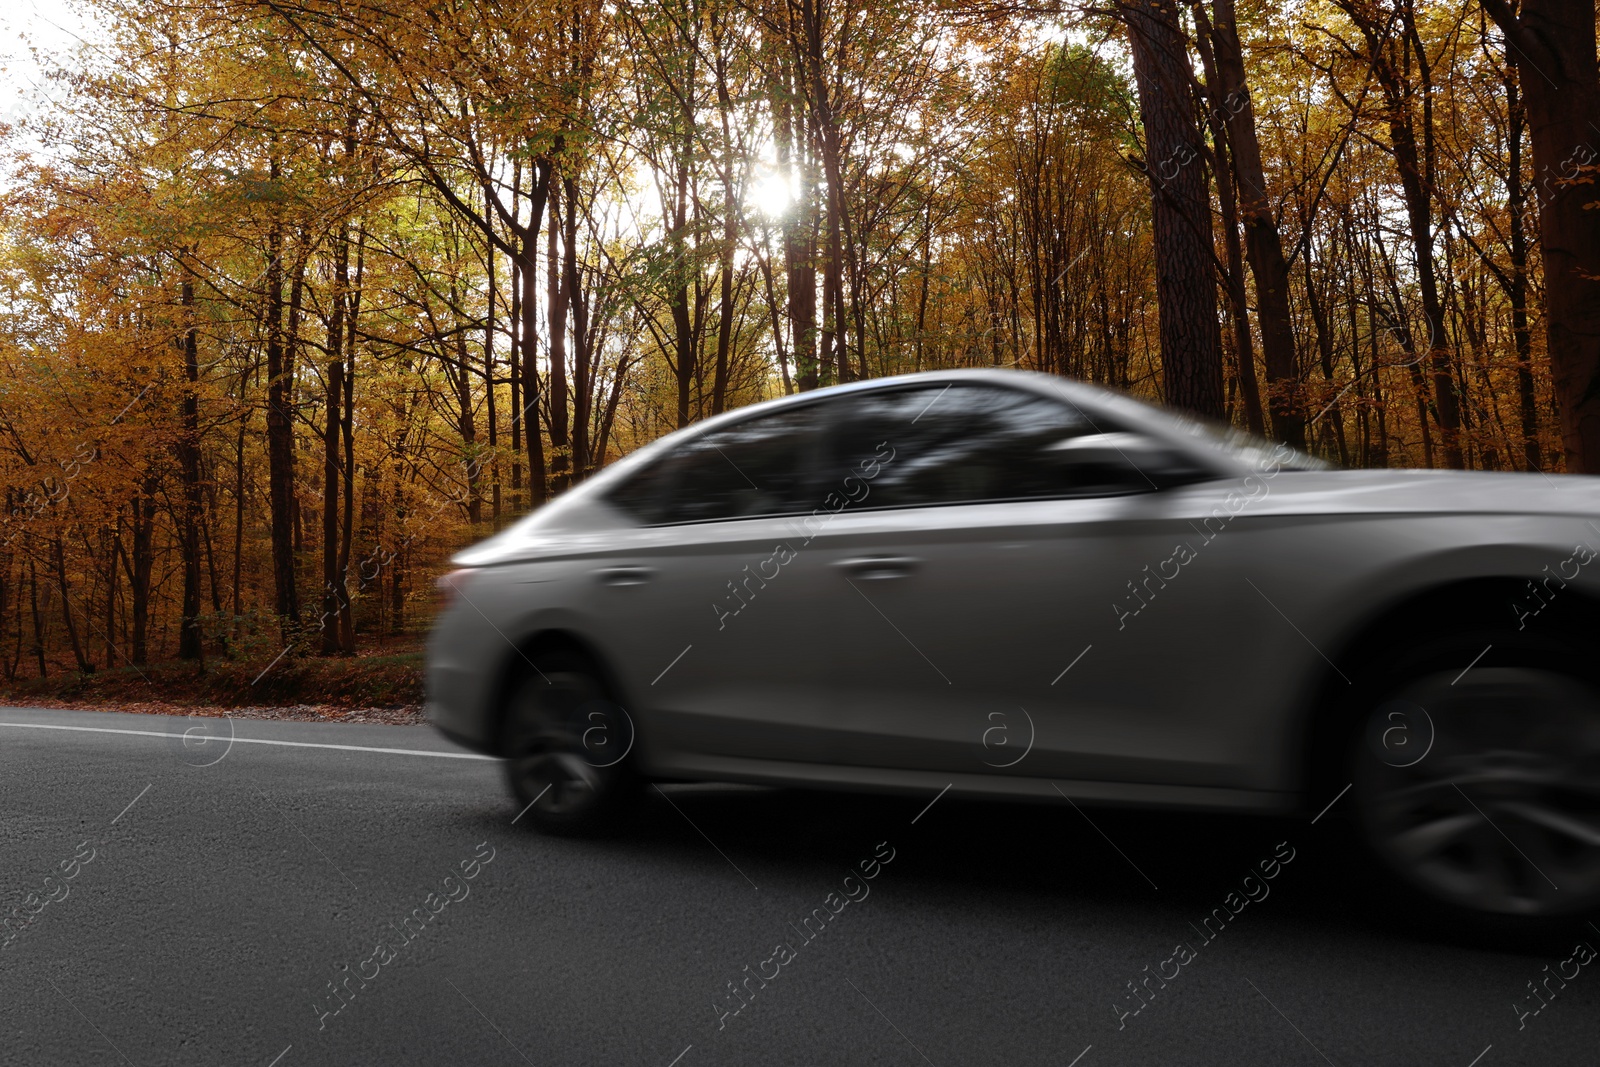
(753, 468)
(961, 444)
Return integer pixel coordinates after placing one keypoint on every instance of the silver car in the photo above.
(1005, 584)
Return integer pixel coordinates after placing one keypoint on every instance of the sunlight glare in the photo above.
(772, 193)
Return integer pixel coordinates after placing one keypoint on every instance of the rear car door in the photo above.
(713, 600)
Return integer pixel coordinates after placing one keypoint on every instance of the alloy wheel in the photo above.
(1483, 789)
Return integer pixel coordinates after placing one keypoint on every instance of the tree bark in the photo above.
(334, 591)
(1517, 208)
(1186, 290)
(189, 636)
(280, 439)
(1554, 45)
(1262, 242)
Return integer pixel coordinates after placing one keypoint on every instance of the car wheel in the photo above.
(1477, 784)
(567, 747)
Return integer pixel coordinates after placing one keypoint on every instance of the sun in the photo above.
(772, 193)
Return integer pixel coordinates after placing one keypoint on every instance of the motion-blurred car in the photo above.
(1014, 585)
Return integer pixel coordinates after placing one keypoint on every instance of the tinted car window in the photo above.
(962, 444)
(760, 466)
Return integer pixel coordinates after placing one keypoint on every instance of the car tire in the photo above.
(568, 747)
(1474, 770)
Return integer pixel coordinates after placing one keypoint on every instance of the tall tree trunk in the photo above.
(189, 636)
(238, 513)
(730, 227)
(1186, 291)
(1227, 166)
(1415, 164)
(491, 414)
(84, 666)
(140, 567)
(578, 314)
(799, 241)
(466, 417)
(38, 618)
(1555, 53)
(528, 262)
(558, 297)
(685, 343)
(1517, 208)
(825, 131)
(1263, 244)
(347, 618)
(280, 440)
(334, 590)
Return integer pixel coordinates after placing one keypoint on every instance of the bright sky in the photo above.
(32, 33)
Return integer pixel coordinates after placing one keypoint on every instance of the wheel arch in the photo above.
(549, 636)
(1461, 603)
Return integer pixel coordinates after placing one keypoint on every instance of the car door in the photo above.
(712, 598)
(985, 572)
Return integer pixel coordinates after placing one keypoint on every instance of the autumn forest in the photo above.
(297, 297)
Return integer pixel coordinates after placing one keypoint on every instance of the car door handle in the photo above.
(625, 575)
(879, 568)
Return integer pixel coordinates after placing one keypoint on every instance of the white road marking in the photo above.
(251, 741)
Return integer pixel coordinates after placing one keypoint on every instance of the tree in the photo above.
(1554, 42)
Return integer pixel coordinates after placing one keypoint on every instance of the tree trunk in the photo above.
(38, 618)
(1227, 165)
(140, 567)
(578, 315)
(1555, 48)
(1263, 244)
(1186, 291)
(1517, 208)
(558, 296)
(189, 636)
(280, 441)
(528, 262)
(491, 414)
(334, 591)
(84, 666)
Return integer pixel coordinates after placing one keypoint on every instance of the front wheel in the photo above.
(568, 747)
(1480, 788)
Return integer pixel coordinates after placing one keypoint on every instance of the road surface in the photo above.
(361, 895)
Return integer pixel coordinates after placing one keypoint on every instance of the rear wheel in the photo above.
(1479, 786)
(567, 747)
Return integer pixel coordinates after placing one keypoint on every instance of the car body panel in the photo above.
(1161, 647)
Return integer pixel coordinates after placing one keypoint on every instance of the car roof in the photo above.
(1033, 381)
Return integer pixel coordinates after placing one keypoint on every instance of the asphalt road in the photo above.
(216, 891)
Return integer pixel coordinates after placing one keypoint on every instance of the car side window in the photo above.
(753, 468)
(963, 444)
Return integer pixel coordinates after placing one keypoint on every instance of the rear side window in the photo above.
(964, 444)
(757, 467)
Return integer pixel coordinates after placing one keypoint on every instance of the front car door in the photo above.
(982, 632)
